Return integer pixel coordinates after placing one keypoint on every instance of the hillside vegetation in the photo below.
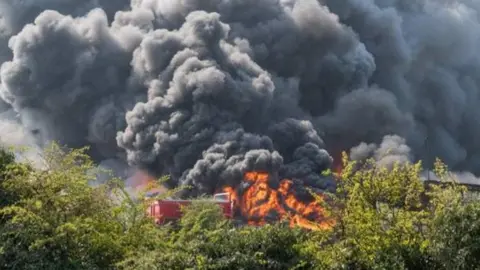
(386, 219)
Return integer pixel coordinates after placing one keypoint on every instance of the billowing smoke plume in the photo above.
(14, 14)
(205, 90)
(394, 150)
(391, 151)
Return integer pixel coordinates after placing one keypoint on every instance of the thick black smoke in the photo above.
(205, 90)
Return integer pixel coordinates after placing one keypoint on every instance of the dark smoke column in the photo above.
(68, 80)
(217, 87)
(210, 112)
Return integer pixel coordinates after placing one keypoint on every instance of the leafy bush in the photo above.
(389, 219)
(204, 239)
(60, 221)
(7, 159)
(386, 219)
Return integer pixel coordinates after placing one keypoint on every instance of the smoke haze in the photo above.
(205, 90)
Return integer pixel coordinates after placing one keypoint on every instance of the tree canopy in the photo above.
(387, 218)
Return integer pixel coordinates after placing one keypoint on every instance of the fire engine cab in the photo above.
(170, 209)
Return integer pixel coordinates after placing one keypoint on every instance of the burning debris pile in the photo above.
(208, 90)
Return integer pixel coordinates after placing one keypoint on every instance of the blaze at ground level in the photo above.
(256, 202)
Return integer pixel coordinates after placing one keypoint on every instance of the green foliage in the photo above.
(7, 158)
(381, 211)
(456, 234)
(385, 219)
(60, 221)
(204, 239)
(389, 219)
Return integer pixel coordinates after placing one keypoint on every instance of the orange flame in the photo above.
(142, 181)
(338, 169)
(338, 164)
(259, 201)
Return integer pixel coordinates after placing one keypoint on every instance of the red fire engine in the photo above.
(170, 209)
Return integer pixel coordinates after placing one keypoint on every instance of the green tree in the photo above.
(386, 218)
(60, 221)
(7, 158)
(204, 239)
(455, 234)
(456, 237)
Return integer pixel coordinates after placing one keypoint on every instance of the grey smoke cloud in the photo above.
(210, 110)
(15, 137)
(425, 56)
(392, 150)
(73, 72)
(34, 127)
(205, 90)
(14, 14)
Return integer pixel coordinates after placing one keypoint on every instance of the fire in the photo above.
(259, 203)
(142, 181)
(337, 164)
